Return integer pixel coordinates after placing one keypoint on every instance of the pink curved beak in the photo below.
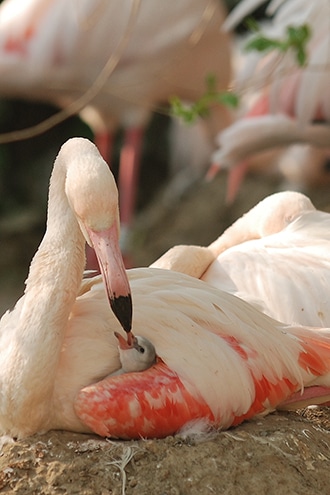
(106, 246)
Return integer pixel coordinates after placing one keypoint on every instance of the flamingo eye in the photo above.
(141, 349)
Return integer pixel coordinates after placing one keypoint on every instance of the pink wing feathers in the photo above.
(219, 359)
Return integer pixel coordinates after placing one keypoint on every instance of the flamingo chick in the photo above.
(139, 355)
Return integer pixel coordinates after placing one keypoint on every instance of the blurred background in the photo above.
(167, 212)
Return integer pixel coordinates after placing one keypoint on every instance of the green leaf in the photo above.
(261, 44)
(201, 107)
(229, 99)
(295, 39)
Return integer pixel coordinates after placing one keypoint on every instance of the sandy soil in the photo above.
(282, 453)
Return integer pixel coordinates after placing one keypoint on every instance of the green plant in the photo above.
(201, 107)
(295, 39)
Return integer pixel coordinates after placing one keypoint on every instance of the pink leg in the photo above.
(238, 172)
(236, 176)
(310, 396)
(129, 168)
(104, 143)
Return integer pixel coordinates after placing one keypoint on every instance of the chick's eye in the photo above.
(141, 350)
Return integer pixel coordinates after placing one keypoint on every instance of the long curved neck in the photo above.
(268, 217)
(242, 230)
(37, 325)
(56, 269)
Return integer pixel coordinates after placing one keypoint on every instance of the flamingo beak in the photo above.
(130, 339)
(123, 344)
(106, 246)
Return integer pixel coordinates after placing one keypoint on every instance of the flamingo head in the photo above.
(93, 197)
(137, 355)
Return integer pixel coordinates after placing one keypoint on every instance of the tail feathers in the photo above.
(315, 357)
(315, 360)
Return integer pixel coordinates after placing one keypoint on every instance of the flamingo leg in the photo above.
(311, 395)
(236, 177)
(104, 142)
(129, 168)
(237, 174)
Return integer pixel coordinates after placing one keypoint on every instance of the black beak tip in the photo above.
(122, 308)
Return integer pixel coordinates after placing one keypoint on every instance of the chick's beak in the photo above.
(123, 344)
(130, 339)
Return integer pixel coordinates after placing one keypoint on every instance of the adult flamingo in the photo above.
(113, 62)
(59, 341)
(289, 102)
(281, 245)
(286, 273)
(83, 206)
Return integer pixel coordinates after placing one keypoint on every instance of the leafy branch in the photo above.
(296, 38)
(201, 107)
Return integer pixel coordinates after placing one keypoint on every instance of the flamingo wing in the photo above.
(219, 359)
(286, 274)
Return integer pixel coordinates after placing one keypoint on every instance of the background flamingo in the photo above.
(114, 64)
(283, 111)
